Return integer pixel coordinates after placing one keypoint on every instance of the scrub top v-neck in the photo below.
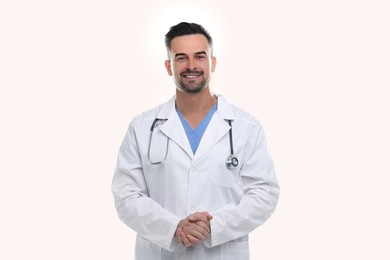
(194, 135)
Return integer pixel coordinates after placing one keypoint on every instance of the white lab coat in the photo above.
(152, 199)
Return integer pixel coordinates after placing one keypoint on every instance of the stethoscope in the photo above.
(231, 161)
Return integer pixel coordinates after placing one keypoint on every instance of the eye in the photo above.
(201, 57)
(180, 58)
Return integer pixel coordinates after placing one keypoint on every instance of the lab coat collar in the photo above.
(167, 109)
(216, 129)
(224, 109)
(173, 127)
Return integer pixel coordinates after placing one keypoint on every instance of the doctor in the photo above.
(194, 175)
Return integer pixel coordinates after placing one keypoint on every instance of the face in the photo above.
(190, 62)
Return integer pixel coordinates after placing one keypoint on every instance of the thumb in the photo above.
(208, 216)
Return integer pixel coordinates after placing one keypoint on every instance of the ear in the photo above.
(213, 63)
(168, 67)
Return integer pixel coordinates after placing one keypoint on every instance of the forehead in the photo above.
(190, 44)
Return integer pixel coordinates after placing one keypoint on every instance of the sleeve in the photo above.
(261, 193)
(135, 208)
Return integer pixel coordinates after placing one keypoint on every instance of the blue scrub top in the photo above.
(195, 135)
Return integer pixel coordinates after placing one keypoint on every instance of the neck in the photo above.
(199, 103)
(194, 107)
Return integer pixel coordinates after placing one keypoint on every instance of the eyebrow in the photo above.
(201, 52)
(196, 53)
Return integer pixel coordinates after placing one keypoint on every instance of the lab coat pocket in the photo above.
(221, 175)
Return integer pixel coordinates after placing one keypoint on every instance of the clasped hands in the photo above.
(193, 229)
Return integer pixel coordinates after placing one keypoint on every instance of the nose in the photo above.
(191, 64)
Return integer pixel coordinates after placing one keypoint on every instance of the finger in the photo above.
(208, 216)
(185, 240)
(201, 227)
(178, 235)
(194, 229)
(204, 226)
(198, 234)
(193, 239)
(198, 217)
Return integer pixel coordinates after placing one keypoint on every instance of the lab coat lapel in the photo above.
(217, 128)
(173, 127)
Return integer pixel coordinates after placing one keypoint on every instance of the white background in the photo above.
(74, 73)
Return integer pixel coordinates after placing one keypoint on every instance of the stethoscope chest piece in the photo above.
(231, 162)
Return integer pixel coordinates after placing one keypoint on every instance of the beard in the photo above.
(192, 87)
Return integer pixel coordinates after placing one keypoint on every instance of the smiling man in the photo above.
(190, 62)
(194, 175)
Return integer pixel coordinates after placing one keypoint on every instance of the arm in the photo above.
(132, 202)
(261, 192)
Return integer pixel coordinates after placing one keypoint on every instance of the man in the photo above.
(194, 175)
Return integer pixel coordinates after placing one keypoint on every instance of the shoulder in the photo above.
(237, 114)
(159, 111)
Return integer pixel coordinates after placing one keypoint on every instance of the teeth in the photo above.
(191, 76)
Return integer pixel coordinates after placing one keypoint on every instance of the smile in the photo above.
(191, 75)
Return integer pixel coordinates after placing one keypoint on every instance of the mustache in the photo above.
(191, 71)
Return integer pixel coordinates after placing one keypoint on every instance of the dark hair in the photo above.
(184, 28)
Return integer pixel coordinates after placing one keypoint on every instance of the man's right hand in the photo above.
(193, 229)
